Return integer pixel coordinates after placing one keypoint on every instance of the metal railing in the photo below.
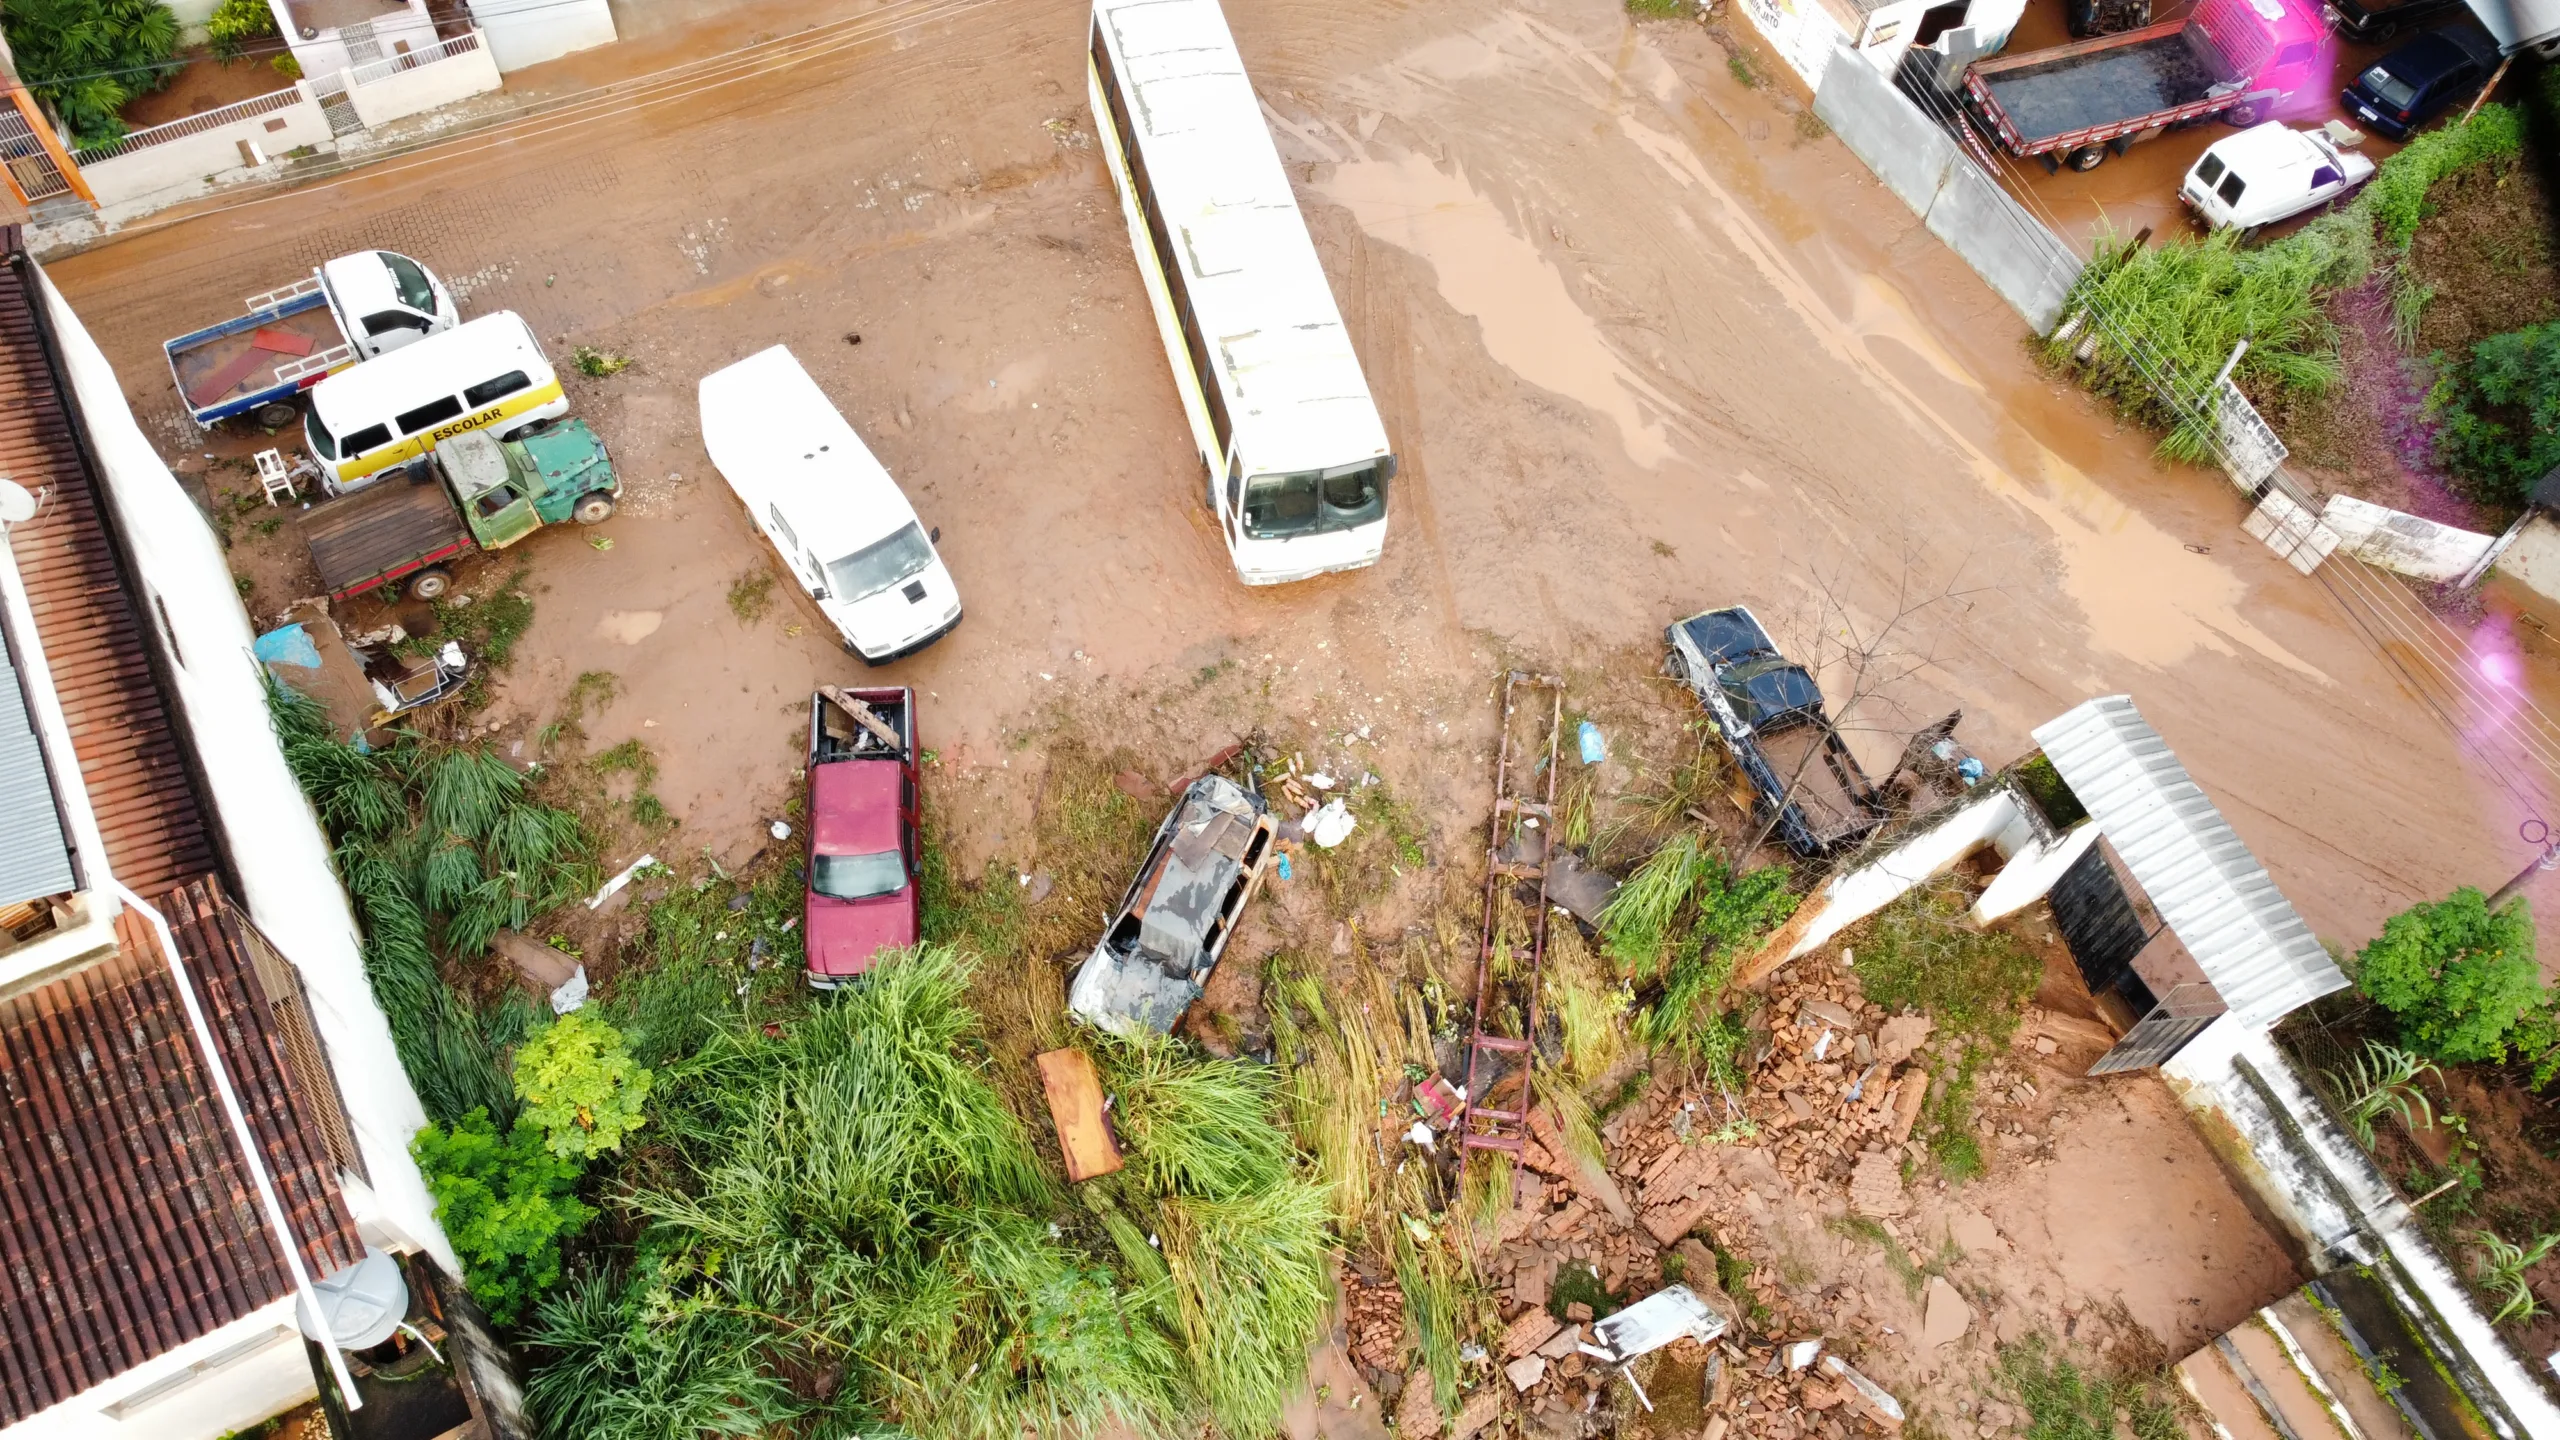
(248, 109)
(385, 68)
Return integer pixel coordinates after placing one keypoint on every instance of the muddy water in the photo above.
(1489, 272)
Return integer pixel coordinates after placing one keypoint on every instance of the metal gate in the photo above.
(2166, 1030)
(36, 172)
(2098, 922)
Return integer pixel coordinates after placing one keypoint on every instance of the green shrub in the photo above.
(1921, 952)
(505, 1202)
(2395, 199)
(87, 58)
(235, 23)
(2459, 978)
(2500, 413)
(580, 1086)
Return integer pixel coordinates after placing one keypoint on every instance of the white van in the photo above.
(844, 529)
(487, 374)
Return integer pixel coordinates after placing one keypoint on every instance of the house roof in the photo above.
(122, 727)
(2208, 887)
(128, 1224)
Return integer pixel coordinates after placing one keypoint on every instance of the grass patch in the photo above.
(1658, 9)
(2065, 1402)
(1921, 953)
(1740, 67)
(751, 595)
(1579, 1284)
(1913, 1273)
(490, 626)
(632, 758)
(597, 364)
(1947, 1123)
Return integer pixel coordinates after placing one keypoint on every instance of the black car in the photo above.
(2377, 22)
(2422, 77)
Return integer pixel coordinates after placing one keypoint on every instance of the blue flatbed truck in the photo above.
(351, 309)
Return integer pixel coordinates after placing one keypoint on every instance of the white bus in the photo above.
(1295, 456)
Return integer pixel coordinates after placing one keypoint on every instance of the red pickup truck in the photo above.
(862, 831)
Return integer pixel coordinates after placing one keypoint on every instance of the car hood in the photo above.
(841, 937)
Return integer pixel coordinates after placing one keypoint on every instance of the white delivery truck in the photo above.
(2268, 173)
(844, 529)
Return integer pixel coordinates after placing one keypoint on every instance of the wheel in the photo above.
(2088, 157)
(2249, 234)
(429, 584)
(274, 415)
(2240, 117)
(594, 509)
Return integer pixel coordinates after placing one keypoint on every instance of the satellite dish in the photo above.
(16, 505)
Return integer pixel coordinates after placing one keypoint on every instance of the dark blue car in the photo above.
(2403, 88)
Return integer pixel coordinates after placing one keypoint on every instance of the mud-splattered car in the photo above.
(1208, 858)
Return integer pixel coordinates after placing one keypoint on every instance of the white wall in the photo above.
(1802, 32)
(2032, 871)
(1847, 899)
(275, 843)
(243, 1373)
(193, 162)
(2534, 557)
(2394, 540)
(439, 82)
(528, 32)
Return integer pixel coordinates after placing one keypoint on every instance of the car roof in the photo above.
(2264, 151)
(363, 282)
(776, 438)
(2435, 54)
(853, 807)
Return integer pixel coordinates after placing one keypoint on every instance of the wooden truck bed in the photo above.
(382, 532)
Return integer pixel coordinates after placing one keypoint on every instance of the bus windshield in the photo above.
(1313, 502)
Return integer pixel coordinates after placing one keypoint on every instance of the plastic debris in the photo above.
(1423, 1135)
(1801, 1353)
(571, 994)
(614, 886)
(781, 830)
(1653, 1322)
(1330, 825)
(1595, 748)
(1319, 780)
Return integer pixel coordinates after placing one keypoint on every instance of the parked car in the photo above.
(2268, 172)
(1156, 954)
(2400, 91)
(863, 839)
(1768, 710)
(843, 528)
(2378, 22)
(352, 308)
(474, 491)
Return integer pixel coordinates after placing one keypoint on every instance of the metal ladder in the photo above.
(1498, 1093)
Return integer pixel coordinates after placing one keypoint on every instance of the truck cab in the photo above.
(507, 489)
(383, 300)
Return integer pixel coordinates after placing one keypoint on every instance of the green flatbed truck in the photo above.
(473, 492)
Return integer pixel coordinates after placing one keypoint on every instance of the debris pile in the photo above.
(1373, 1318)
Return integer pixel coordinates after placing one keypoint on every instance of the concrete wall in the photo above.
(2288, 1147)
(2022, 261)
(528, 32)
(275, 844)
(191, 162)
(229, 1380)
(1802, 32)
(2394, 540)
(2031, 872)
(1847, 899)
(424, 87)
(2534, 556)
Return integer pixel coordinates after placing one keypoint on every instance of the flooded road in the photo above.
(1644, 346)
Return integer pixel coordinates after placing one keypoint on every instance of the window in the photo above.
(2232, 188)
(383, 322)
(782, 528)
(2388, 88)
(1312, 502)
(492, 500)
(488, 390)
(2325, 175)
(2209, 169)
(1161, 239)
(323, 444)
(411, 281)
(434, 412)
(371, 437)
(882, 563)
(858, 877)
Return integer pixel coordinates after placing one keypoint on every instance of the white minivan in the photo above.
(844, 529)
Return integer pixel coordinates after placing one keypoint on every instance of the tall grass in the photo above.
(1636, 927)
(1338, 1072)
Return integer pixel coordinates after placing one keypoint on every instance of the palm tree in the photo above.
(86, 58)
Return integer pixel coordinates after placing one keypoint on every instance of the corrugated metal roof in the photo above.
(123, 730)
(2206, 884)
(128, 1224)
(35, 860)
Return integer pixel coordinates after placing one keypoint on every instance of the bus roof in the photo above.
(464, 355)
(1293, 383)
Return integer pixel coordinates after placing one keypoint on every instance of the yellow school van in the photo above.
(487, 374)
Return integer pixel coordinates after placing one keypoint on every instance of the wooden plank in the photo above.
(1075, 1104)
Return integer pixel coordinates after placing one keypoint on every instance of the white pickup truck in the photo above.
(2267, 173)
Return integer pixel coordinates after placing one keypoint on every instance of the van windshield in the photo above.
(1312, 502)
(323, 444)
(882, 563)
(411, 281)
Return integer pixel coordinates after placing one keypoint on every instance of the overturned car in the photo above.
(1208, 858)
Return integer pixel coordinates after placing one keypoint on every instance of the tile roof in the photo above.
(128, 1224)
(125, 734)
